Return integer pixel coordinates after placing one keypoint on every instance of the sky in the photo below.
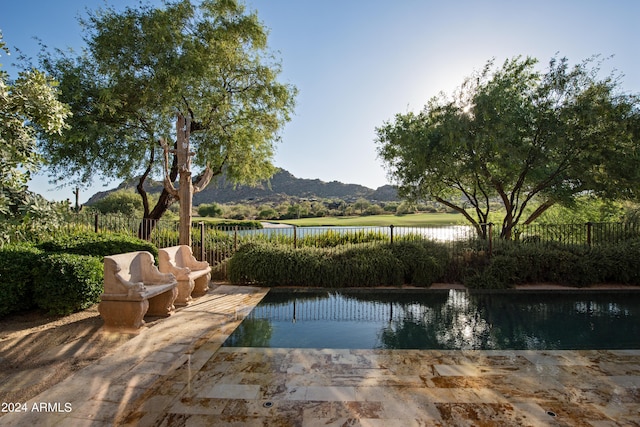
(358, 63)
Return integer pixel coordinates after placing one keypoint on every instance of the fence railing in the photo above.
(215, 243)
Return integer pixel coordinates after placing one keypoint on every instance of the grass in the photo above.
(409, 220)
(421, 219)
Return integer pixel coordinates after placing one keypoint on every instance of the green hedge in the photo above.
(62, 275)
(350, 266)
(97, 244)
(16, 277)
(573, 265)
(66, 283)
(422, 262)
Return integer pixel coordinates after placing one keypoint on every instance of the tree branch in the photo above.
(205, 178)
(168, 183)
(140, 186)
(539, 211)
(462, 211)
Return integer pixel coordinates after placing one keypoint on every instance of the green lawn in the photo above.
(420, 219)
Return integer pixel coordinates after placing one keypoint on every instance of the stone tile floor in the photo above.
(177, 374)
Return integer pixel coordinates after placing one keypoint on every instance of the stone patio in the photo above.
(175, 373)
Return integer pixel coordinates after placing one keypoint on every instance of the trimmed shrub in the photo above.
(501, 273)
(617, 263)
(16, 277)
(97, 244)
(277, 265)
(66, 283)
(362, 266)
(273, 265)
(419, 267)
(573, 265)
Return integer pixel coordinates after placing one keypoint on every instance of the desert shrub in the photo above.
(617, 263)
(66, 283)
(501, 273)
(277, 265)
(362, 266)
(97, 244)
(16, 277)
(332, 238)
(212, 210)
(272, 265)
(574, 265)
(419, 266)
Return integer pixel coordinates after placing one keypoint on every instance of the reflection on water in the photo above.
(442, 233)
(444, 320)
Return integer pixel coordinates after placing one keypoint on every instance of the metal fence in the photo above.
(216, 243)
(339, 309)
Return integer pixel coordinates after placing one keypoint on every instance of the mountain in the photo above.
(281, 186)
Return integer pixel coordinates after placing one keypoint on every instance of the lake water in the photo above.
(451, 319)
(444, 233)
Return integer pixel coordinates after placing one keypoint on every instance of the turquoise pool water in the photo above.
(450, 319)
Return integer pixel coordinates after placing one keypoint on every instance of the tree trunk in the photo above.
(149, 223)
(185, 191)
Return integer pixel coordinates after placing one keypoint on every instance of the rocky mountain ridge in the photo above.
(281, 186)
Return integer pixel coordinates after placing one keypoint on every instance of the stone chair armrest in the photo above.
(157, 278)
(131, 286)
(179, 272)
(197, 265)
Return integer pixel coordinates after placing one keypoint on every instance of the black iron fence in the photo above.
(215, 243)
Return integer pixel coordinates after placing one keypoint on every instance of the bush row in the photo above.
(97, 244)
(60, 276)
(422, 263)
(370, 265)
(574, 265)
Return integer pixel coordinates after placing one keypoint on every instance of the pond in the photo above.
(444, 233)
(449, 319)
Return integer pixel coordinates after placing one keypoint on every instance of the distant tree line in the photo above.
(295, 208)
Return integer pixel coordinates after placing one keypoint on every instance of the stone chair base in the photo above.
(128, 316)
(123, 316)
(185, 287)
(201, 285)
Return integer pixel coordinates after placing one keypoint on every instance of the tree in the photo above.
(29, 108)
(207, 65)
(212, 210)
(124, 202)
(520, 136)
(361, 204)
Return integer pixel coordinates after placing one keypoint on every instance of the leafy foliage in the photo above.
(97, 244)
(573, 265)
(16, 277)
(347, 266)
(123, 202)
(29, 108)
(212, 210)
(420, 267)
(209, 61)
(66, 283)
(520, 136)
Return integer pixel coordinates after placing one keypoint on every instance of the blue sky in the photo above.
(357, 63)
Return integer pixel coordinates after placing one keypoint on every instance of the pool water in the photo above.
(450, 319)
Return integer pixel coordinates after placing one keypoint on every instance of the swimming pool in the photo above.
(448, 319)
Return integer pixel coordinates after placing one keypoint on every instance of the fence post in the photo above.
(235, 239)
(95, 223)
(295, 237)
(391, 228)
(490, 239)
(202, 251)
(589, 229)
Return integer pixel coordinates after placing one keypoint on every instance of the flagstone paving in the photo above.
(176, 373)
